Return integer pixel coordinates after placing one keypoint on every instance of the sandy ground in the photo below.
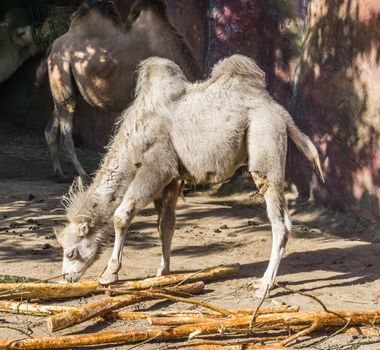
(332, 255)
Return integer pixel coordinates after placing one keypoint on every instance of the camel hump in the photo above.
(158, 5)
(153, 74)
(239, 65)
(105, 8)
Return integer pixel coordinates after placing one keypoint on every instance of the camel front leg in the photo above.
(147, 184)
(166, 224)
(122, 219)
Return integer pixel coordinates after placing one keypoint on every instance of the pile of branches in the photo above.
(256, 329)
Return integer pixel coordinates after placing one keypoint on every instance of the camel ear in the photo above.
(58, 235)
(83, 229)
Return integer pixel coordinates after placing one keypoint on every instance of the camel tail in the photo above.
(306, 146)
(41, 70)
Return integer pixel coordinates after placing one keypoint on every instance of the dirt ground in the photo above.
(332, 255)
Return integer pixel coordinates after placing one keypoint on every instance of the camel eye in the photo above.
(72, 254)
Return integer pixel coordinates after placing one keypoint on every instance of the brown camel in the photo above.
(99, 55)
(16, 42)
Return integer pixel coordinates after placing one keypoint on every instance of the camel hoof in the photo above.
(162, 272)
(260, 288)
(108, 278)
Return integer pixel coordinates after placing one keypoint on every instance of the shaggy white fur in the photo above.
(177, 131)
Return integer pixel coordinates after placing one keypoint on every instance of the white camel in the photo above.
(16, 42)
(177, 131)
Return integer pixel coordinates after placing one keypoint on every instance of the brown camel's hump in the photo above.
(158, 5)
(105, 8)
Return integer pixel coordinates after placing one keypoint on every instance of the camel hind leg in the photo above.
(63, 92)
(280, 222)
(51, 135)
(267, 145)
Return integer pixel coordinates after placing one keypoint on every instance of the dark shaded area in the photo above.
(268, 31)
(26, 105)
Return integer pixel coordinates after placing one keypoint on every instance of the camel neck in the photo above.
(166, 42)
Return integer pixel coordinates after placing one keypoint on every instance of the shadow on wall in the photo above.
(268, 31)
(337, 100)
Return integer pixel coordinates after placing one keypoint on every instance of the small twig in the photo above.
(294, 291)
(226, 342)
(10, 290)
(17, 330)
(53, 278)
(332, 335)
(304, 332)
(191, 276)
(98, 276)
(193, 301)
(253, 319)
(145, 341)
(2, 296)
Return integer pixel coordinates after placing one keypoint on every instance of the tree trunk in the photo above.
(337, 102)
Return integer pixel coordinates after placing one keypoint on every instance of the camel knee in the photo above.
(123, 216)
(51, 132)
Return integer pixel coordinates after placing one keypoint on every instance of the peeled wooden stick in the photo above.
(240, 347)
(169, 280)
(131, 336)
(25, 308)
(164, 295)
(104, 307)
(179, 318)
(262, 322)
(45, 291)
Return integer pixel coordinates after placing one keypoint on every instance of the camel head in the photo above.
(79, 249)
(19, 28)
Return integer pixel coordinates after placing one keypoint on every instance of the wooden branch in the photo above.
(26, 308)
(132, 336)
(104, 307)
(46, 291)
(179, 320)
(244, 346)
(185, 317)
(240, 344)
(164, 295)
(169, 280)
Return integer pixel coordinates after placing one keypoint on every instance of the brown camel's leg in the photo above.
(166, 224)
(51, 135)
(147, 184)
(66, 126)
